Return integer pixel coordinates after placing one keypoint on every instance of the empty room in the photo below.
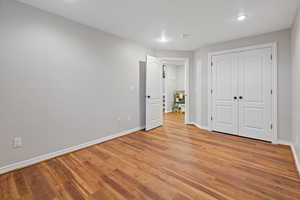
(149, 99)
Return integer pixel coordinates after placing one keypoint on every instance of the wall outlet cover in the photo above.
(17, 142)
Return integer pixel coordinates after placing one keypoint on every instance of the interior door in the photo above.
(224, 93)
(154, 106)
(255, 98)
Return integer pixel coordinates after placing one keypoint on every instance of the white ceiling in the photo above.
(207, 21)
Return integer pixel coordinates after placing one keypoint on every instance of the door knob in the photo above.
(235, 98)
(241, 97)
(148, 97)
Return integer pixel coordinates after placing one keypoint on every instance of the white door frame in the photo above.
(273, 46)
(186, 62)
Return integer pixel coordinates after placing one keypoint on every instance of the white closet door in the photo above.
(224, 84)
(255, 98)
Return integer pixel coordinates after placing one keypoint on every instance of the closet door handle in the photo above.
(240, 97)
(235, 98)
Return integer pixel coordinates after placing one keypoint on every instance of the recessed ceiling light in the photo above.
(163, 39)
(241, 17)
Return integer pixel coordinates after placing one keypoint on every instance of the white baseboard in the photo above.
(296, 156)
(284, 142)
(199, 126)
(40, 158)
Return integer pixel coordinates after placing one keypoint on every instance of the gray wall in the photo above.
(62, 83)
(296, 84)
(200, 64)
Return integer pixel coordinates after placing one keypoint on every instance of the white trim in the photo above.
(296, 157)
(275, 91)
(261, 46)
(44, 157)
(209, 85)
(189, 123)
(198, 89)
(275, 79)
(284, 142)
(186, 61)
(199, 126)
(294, 152)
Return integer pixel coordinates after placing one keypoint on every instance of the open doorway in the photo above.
(175, 90)
(163, 102)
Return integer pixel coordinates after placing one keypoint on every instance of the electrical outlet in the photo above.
(17, 142)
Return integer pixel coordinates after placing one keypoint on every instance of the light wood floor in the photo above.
(176, 162)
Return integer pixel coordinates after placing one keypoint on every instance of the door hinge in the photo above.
(271, 56)
(211, 91)
(271, 92)
(211, 64)
(211, 118)
(271, 126)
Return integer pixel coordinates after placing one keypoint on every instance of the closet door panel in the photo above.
(224, 84)
(255, 103)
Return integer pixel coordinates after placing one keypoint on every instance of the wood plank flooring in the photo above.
(176, 161)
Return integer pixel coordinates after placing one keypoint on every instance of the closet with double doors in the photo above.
(241, 93)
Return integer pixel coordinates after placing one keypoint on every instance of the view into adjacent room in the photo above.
(174, 91)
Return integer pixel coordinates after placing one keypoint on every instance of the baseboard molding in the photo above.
(44, 157)
(199, 126)
(296, 158)
(295, 155)
(283, 142)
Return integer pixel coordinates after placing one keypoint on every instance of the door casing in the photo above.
(187, 83)
(273, 46)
